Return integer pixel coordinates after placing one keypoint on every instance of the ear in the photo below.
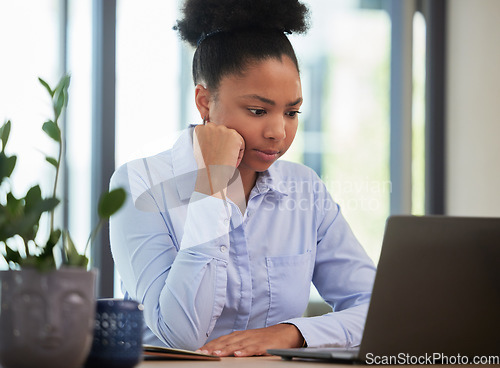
(202, 98)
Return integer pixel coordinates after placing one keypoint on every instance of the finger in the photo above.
(241, 152)
(229, 350)
(250, 350)
(241, 346)
(240, 157)
(221, 342)
(225, 345)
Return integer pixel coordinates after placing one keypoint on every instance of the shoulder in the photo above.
(143, 171)
(156, 168)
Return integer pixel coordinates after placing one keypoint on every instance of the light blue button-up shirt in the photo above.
(203, 269)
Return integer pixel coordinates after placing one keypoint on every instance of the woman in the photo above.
(218, 239)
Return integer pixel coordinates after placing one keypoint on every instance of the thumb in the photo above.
(241, 152)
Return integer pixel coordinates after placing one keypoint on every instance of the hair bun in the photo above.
(202, 17)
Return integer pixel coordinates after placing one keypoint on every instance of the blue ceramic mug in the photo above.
(117, 339)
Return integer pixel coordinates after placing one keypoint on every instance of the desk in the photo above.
(231, 362)
(259, 362)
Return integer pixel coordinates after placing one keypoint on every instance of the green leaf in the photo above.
(4, 134)
(52, 161)
(43, 262)
(7, 165)
(73, 258)
(14, 206)
(63, 84)
(43, 205)
(47, 87)
(60, 98)
(27, 225)
(111, 202)
(12, 255)
(59, 103)
(52, 130)
(54, 238)
(33, 197)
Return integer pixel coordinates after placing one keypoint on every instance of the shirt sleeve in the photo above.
(208, 219)
(182, 287)
(343, 275)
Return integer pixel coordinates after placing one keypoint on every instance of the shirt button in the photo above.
(223, 249)
(226, 221)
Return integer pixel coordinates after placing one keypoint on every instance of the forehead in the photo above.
(269, 78)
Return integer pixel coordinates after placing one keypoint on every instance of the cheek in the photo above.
(291, 130)
(229, 118)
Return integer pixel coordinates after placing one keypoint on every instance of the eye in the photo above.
(257, 112)
(292, 114)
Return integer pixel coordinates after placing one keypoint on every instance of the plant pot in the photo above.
(46, 319)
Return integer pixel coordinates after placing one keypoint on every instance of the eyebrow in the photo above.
(271, 102)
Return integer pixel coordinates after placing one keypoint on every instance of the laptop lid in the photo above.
(437, 289)
(436, 294)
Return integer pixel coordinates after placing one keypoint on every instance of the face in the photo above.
(262, 105)
(47, 321)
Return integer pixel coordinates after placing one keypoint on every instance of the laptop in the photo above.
(436, 296)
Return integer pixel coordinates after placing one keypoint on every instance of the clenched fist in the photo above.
(218, 151)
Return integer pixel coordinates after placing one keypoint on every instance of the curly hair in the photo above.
(231, 34)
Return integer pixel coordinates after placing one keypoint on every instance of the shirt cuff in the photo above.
(208, 218)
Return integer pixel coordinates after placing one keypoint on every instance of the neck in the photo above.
(248, 178)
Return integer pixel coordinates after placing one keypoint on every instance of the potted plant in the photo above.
(47, 310)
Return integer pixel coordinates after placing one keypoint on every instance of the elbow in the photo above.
(176, 335)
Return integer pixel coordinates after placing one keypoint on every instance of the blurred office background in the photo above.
(401, 111)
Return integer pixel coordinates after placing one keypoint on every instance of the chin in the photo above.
(261, 166)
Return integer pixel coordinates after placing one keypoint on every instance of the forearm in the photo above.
(182, 289)
(194, 291)
(184, 311)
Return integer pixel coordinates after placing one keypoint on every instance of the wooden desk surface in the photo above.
(259, 362)
(231, 362)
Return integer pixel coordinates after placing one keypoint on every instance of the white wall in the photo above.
(473, 108)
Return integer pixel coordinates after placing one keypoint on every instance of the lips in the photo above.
(267, 155)
(269, 152)
(50, 342)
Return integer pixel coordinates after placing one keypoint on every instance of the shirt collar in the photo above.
(271, 180)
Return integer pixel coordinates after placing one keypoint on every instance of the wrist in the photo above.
(213, 180)
(296, 338)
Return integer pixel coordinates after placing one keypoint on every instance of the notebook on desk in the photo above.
(151, 352)
(436, 294)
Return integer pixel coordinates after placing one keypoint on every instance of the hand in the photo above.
(255, 342)
(218, 151)
(217, 145)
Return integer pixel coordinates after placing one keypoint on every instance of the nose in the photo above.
(275, 128)
(52, 319)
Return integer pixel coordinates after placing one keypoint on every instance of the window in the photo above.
(30, 46)
(148, 85)
(418, 116)
(345, 130)
(346, 67)
(79, 117)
